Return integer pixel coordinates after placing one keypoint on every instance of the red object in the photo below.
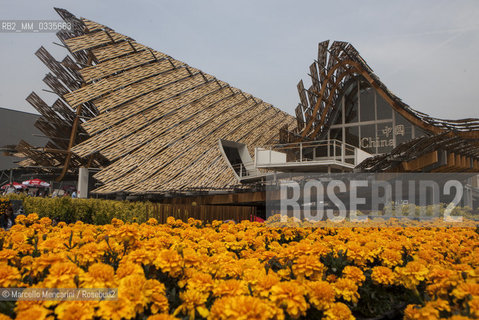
(16, 185)
(36, 183)
(256, 219)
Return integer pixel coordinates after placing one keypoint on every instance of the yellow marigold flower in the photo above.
(231, 287)
(20, 219)
(35, 312)
(89, 253)
(391, 258)
(169, 261)
(9, 276)
(354, 273)
(4, 317)
(45, 261)
(116, 309)
(412, 274)
(414, 312)
(338, 311)
(99, 275)
(7, 255)
(466, 289)
(321, 294)
(191, 258)
(199, 281)
(46, 221)
(75, 310)
(308, 267)
(347, 289)
(52, 245)
(264, 284)
(193, 301)
(439, 304)
(162, 316)
(331, 278)
(62, 275)
(474, 306)
(152, 222)
(126, 269)
(32, 218)
(154, 292)
(383, 275)
(131, 289)
(290, 296)
(128, 233)
(458, 317)
(140, 256)
(241, 308)
(117, 222)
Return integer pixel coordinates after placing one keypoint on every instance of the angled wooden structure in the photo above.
(438, 145)
(330, 74)
(150, 122)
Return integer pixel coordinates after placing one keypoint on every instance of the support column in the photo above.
(83, 183)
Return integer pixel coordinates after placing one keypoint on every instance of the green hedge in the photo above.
(94, 211)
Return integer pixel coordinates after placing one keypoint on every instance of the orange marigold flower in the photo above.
(9, 276)
(62, 275)
(338, 311)
(321, 294)
(354, 273)
(308, 266)
(7, 255)
(193, 301)
(290, 296)
(466, 289)
(99, 275)
(474, 306)
(169, 261)
(242, 308)
(152, 222)
(383, 275)
(35, 312)
(391, 258)
(264, 284)
(131, 289)
(154, 291)
(412, 274)
(116, 309)
(126, 269)
(75, 310)
(162, 316)
(128, 233)
(231, 287)
(347, 289)
(414, 312)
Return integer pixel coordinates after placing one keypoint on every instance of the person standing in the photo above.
(7, 220)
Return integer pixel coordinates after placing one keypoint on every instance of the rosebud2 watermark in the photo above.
(359, 196)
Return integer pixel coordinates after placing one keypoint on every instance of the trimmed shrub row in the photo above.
(93, 211)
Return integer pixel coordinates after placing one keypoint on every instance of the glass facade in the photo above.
(367, 121)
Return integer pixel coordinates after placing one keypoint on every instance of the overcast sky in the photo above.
(426, 52)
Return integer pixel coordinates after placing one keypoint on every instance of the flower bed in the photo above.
(243, 271)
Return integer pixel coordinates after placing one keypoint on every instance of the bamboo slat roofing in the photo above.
(414, 149)
(156, 120)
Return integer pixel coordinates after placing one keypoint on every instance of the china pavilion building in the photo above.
(143, 124)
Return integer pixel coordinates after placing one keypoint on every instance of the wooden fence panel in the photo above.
(205, 213)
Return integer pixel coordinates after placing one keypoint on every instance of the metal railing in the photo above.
(312, 151)
(242, 170)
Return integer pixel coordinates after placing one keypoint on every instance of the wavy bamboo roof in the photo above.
(155, 120)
